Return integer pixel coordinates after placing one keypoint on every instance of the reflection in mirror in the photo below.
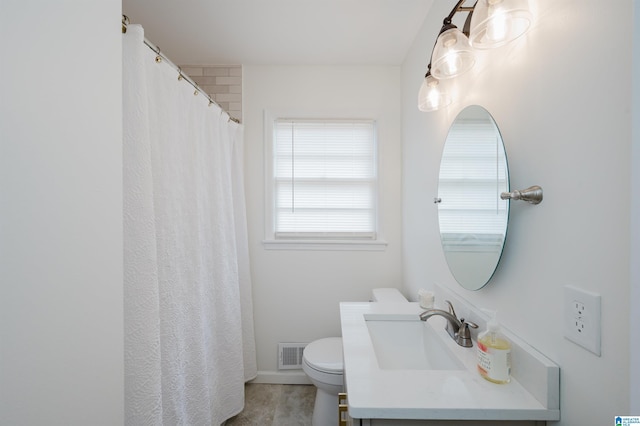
(473, 219)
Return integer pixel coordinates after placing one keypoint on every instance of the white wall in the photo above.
(297, 293)
(61, 321)
(561, 97)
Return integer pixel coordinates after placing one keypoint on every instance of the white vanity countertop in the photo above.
(434, 394)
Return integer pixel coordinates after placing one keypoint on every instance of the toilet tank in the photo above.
(387, 295)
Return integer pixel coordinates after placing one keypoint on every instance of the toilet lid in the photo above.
(325, 355)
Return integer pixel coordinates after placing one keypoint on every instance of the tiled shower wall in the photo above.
(222, 82)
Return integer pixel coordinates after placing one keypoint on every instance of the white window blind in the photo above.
(325, 179)
(472, 175)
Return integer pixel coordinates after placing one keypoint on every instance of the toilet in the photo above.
(322, 362)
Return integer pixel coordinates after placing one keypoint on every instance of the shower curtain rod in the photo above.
(181, 76)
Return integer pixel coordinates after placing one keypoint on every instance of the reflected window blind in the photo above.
(325, 179)
(475, 163)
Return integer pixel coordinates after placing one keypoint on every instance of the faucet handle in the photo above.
(469, 323)
(463, 336)
(451, 310)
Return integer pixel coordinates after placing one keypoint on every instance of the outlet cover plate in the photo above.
(582, 318)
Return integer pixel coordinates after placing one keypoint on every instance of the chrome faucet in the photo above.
(458, 329)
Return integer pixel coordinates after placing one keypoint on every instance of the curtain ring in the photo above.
(158, 56)
(125, 22)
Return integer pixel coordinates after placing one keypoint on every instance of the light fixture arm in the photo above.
(446, 22)
(466, 29)
(458, 8)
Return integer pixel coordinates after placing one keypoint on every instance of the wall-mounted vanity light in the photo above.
(489, 24)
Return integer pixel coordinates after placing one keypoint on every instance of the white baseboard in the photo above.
(297, 377)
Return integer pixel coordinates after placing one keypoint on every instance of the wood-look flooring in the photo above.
(276, 405)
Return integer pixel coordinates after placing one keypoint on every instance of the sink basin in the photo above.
(409, 345)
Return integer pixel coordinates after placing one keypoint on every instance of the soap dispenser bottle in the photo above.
(494, 353)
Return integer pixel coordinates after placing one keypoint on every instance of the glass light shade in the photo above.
(431, 96)
(452, 55)
(497, 22)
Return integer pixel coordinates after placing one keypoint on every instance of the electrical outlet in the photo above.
(578, 308)
(582, 318)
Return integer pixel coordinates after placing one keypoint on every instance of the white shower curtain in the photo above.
(189, 343)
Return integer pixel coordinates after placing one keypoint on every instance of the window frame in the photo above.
(286, 242)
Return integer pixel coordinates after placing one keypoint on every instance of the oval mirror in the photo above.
(472, 217)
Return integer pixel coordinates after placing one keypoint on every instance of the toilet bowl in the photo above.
(322, 362)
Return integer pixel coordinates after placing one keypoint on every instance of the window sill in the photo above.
(353, 245)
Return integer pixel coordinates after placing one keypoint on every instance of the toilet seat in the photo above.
(325, 355)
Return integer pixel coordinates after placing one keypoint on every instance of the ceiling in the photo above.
(280, 32)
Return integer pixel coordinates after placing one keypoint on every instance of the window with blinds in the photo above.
(324, 179)
(473, 173)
